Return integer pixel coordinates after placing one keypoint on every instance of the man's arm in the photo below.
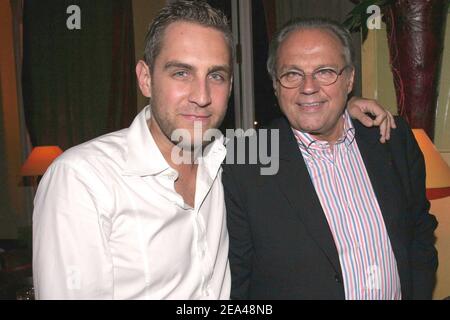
(424, 258)
(70, 253)
(241, 247)
(358, 107)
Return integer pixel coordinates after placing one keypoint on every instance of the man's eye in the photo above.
(217, 77)
(293, 76)
(325, 72)
(181, 74)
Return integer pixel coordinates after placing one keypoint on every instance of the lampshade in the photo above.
(39, 160)
(438, 171)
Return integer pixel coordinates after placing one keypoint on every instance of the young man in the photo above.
(345, 217)
(118, 217)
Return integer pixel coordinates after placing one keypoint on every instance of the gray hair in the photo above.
(198, 12)
(313, 23)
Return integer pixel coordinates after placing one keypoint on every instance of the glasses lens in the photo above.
(291, 79)
(325, 76)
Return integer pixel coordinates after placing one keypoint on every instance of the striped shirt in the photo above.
(341, 181)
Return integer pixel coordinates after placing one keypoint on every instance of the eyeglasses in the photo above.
(324, 77)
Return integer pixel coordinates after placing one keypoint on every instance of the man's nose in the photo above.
(309, 85)
(200, 93)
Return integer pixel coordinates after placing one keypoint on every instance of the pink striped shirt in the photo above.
(341, 181)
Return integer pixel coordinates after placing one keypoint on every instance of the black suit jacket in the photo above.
(281, 246)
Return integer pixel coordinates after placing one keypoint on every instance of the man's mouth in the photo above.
(312, 106)
(194, 117)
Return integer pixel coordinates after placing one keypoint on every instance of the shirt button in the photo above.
(206, 290)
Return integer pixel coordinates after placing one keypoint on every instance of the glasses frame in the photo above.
(338, 74)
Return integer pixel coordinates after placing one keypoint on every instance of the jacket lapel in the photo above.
(381, 170)
(295, 183)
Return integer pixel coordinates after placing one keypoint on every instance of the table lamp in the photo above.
(39, 160)
(438, 171)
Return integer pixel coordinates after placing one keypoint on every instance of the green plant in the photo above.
(356, 19)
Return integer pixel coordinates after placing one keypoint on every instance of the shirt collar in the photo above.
(308, 143)
(143, 156)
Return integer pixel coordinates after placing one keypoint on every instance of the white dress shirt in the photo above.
(108, 223)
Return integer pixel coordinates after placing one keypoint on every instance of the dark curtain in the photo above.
(270, 16)
(229, 122)
(263, 22)
(77, 84)
(7, 212)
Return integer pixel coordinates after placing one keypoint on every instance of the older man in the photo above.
(345, 217)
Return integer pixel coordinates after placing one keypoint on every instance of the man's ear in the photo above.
(275, 87)
(144, 78)
(351, 81)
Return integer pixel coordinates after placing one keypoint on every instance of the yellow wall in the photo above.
(377, 81)
(143, 13)
(440, 208)
(442, 133)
